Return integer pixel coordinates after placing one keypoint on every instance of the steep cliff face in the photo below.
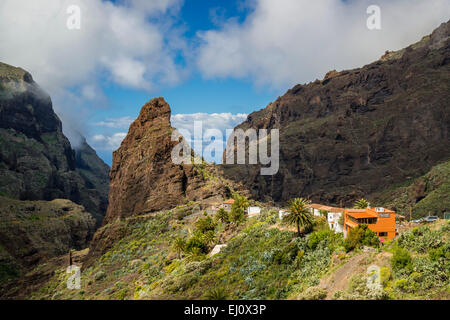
(359, 131)
(144, 178)
(36, 159)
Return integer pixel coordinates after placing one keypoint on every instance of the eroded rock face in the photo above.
(37, 161)
(358, 131)
(144, 178)
(31, 232)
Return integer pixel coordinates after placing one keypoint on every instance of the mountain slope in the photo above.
(32, 232)
(36, 159)
(426, 195)
(357, 132)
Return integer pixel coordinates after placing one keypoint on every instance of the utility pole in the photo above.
(70, 257)
(410, 213)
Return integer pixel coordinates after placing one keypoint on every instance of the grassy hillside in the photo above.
(263, 259)
(429, 194)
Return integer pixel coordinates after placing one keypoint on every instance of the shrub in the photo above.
(237, 216)
(320, 236)
(204, 225)
(222, 216)
(442, 252)
(313, 293)
(217, 294)
(361, 235)
(401, 259)
(196, 243)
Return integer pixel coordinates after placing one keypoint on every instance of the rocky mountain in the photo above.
(358, 132)
(423, 196)
(145, 180)
(37, 161)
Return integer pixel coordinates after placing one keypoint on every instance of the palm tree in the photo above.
(209, 237)
(179, 245)
(361, 204)
(240, 202)
(222, 215)
(299, 214)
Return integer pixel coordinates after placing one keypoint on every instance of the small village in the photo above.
(386, 223)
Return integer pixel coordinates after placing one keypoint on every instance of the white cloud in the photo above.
(132, 43)
(282, 43)
(107, 142)
(182, 122)
(220, 121)
(118, 123)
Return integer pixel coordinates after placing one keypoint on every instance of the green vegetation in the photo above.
(161, 257)
(299, 215)
(361, 204)
(426, 195)
(361, 236)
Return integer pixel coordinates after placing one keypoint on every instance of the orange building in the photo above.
(379, 220)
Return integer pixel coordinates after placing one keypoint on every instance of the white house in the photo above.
(253, 211)
(333, 220)
(333, 215)
(227, 204)
(282, 213)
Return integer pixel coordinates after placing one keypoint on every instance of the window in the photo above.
(383, 234)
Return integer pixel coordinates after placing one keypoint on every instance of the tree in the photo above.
(204, 225)
(299, 214)
(237, 214)
(361, 235)
(179, 246)
(222, 216)
(361, 204)
(209, 237)
(240, 202)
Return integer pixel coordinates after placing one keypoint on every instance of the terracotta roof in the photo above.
(231, 201)
(326, 208)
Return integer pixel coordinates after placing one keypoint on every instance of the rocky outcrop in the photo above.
(37, 161)
(359, 131)
(31, 232)
(144, 178)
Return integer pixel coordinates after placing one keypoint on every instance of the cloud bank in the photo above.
(131, 43)
(282, 43)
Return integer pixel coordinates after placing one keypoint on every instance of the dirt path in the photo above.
(339, 279)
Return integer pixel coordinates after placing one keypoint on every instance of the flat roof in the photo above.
(361, 214)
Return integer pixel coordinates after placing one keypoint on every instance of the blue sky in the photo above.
(214, 61)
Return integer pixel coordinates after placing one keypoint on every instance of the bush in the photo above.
(204, 225)
(222, 216)
(313, 293)
(325, 236)
(196, 243)
(237, 216)
(217, 294)
(359, 236)
(442, 252)
(401, 259)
